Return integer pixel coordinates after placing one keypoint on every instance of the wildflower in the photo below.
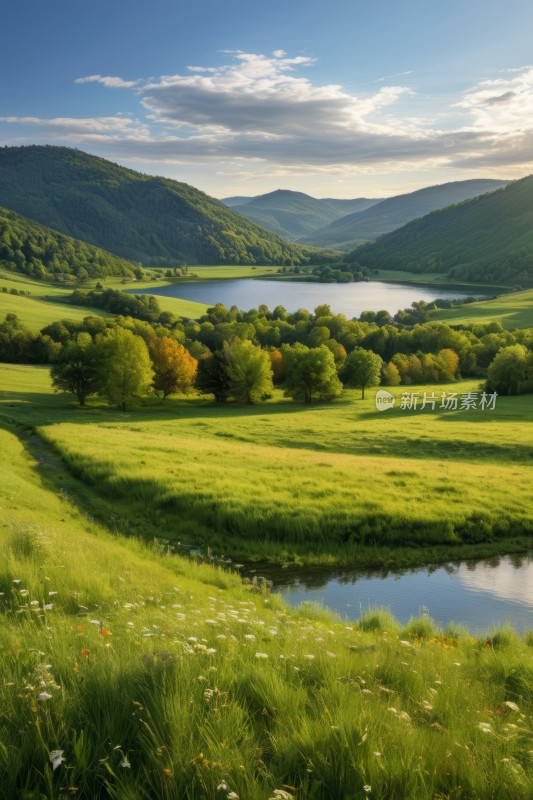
(85, 653)
(104, 632)
(232, 796)
(125, 762)
(485, 727)
(281, 794)
(167, 772)
(261, 655)
(309, 656)
(45, 696)
(56, 757)
(367, 788)
(512, 706)
(222, 787)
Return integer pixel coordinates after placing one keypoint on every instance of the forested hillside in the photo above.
(146, 219)
(394, 212)
(33, 249)
(489, 238)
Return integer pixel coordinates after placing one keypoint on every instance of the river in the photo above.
(479, 594)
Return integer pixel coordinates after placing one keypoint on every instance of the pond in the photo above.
(347, 298)
(478, 594)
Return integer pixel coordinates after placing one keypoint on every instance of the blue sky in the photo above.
(335, 98)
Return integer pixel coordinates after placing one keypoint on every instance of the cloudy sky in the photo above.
(337, 98)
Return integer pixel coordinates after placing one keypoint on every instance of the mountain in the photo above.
(392, 213)
(487, 239)
(33, 249)
(345, 207)
(146, 219)
(237, 200)
(293, 215)
(288, 214)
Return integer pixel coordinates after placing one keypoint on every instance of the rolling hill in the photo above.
(489, 238)
(143, 218)
(392, 213)
(36, 250)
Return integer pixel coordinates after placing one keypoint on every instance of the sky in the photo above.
(336, 98)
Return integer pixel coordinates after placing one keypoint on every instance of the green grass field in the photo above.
(513, 310)
(47, 301)
(133, 675)
(283, 481)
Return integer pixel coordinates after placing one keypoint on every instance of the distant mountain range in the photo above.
(138, 217)
(387, 215)
(488, 238)
(294, 215)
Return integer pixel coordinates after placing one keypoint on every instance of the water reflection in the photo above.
(480, 594)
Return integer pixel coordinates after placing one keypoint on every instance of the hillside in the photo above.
(146, 219)
(345, 207)
(394, 212)
(489, 238)
(149, 676)
(289, 214)
(40, 252)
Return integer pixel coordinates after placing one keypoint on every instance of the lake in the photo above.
(346, 298)
(479, 594)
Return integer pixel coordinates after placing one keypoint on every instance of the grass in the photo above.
(152, 677)
(48, 301)
(337, 483)
(514, 310)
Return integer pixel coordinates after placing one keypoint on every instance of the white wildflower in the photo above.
(261, 655)
(56, 757)
(485, 727)
(45, 696)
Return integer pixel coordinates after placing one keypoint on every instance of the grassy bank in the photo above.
(514, 310)
(339, 483)
(144, 677)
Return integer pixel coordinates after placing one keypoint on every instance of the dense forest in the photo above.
(147, 219)
(33, 249)
(487, 239)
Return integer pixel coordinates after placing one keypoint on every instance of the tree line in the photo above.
(240, 355)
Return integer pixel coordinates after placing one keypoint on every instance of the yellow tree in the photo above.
(174, 367)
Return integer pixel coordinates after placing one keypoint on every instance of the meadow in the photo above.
(134, 675)
(284, 482)
(514, 310)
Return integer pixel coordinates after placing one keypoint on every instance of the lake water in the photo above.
(346, 298)
(480, 594)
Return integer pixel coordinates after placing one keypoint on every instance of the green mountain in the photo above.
(288, 214)
(294, 215)
(489, 238)
(394, 212)
(139, 217)
(33, 249)
(346, 207)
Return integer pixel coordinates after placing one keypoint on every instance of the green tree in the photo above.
(510, 370)
(212, 377)
(390, 375)
(125, 370)
(311, 373)
(362, 368)
(249, 371)
(76, 368)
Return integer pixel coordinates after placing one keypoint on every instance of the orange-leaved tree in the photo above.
(174, 367)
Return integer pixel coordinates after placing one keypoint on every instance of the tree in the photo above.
(279, 368)
(362, 368)
(249, 371)
(448, 364)
(76, 368)
(311, 373)
(211, 377)
(125, 370)
(390, 375)
(174, 367)
(511, 370)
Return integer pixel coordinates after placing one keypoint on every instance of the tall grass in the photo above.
(144, 676)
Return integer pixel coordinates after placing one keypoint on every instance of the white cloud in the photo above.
(109, 81)
(264, 112)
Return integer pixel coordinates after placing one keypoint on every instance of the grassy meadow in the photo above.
(514, 310)
(133, 675)
(332, 483)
